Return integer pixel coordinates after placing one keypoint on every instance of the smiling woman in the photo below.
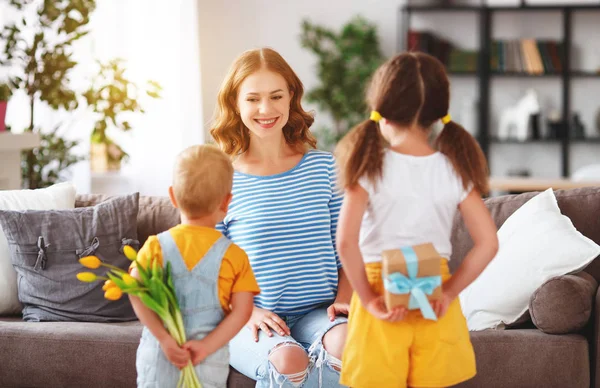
(261, 109)
(284, 215)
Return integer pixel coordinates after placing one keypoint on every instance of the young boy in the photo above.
(213, 279)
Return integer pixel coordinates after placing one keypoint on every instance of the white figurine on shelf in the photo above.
(514, 121)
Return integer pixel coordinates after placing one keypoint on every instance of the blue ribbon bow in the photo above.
(418, 288)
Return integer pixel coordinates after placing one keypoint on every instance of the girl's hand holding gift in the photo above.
(441, 305)
(376, 307)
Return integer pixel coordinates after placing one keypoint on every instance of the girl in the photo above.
(400, 191)
(284, 215)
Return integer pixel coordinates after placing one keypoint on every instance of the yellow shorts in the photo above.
(414, 352)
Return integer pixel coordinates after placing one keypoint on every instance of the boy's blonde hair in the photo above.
(202, 178)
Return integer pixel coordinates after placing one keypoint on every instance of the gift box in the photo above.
(412, 278)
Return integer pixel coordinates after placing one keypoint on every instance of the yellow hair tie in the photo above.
(446, 119)
(375, 116)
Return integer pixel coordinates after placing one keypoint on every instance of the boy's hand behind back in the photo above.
(175, 354)
(197, 349)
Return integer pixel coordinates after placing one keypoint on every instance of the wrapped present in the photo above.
(412, 278)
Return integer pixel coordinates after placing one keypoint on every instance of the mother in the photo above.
(284, 215)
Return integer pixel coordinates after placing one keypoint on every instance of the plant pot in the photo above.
(102, 158)
(3, 105)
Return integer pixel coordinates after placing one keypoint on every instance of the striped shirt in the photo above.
(286, 223)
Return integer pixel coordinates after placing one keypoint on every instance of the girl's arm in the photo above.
(348, 231)
(483, 231)
(353, 209)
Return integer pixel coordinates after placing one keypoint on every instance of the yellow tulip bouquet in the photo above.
(154, 288)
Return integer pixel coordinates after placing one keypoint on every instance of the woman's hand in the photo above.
(337, 308)
(266, 321)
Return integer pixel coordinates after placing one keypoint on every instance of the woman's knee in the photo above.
(289, 359)
(335, 339)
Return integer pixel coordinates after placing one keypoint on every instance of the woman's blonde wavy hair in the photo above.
(229, 131)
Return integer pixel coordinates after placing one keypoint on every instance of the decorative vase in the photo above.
(3, 105)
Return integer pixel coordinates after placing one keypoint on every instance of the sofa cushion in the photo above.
(536, 243)
(68, 354)
(156, 214)
(563, 304)
(58, 196)
(514, 358)
(529, 358)
(46, 246)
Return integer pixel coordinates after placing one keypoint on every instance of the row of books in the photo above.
(519, 56)
(455, 59)
(526, 56)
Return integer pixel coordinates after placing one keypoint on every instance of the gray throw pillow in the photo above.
(45, 246)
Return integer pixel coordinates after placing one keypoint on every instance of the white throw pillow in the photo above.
(537, 243)
(57, 197)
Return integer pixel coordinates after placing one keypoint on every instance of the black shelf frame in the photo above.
(484, 73)
(574, 74)
(519, 8)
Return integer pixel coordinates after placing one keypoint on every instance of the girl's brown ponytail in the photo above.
(466, 156)
(360, 153)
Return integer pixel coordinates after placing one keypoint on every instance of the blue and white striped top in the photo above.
(286, 223)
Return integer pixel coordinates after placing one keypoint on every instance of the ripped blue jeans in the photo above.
(252, 358)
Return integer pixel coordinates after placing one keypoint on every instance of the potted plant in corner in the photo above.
(112, 97)
(5, 93)
(345, 62)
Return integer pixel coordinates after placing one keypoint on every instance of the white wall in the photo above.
(229, 27)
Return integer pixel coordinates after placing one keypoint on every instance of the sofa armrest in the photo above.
(595, 351)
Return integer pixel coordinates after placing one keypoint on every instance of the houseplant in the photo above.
(5, 93)
(38, 51)
(346, 61)
(113, 97)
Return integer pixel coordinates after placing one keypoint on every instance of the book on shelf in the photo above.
(519, 56)
(527, 56)
(455, 59)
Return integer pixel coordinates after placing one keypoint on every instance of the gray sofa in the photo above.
(53, 354)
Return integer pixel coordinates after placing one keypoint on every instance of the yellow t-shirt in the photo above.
(193, 242)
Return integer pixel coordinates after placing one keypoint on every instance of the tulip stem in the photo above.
(112, 267)
(181, 378)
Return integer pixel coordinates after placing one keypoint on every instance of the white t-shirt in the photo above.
(414, 203)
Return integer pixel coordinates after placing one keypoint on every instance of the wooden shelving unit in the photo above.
(484, 73)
